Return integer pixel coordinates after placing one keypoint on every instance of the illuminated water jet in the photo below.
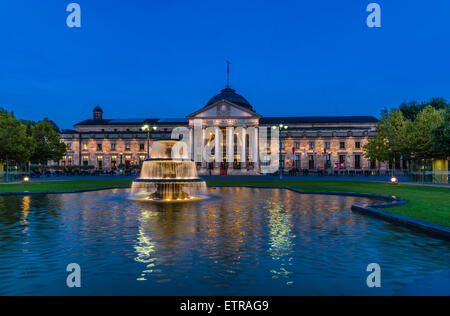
(168, 176)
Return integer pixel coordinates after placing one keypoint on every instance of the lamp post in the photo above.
(280, 128)
(146, 127)
(121, 163)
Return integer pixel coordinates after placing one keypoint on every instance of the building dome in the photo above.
(231, 96)
(98, 113)
(98, 109)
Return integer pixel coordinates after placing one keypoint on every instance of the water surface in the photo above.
(248, 242)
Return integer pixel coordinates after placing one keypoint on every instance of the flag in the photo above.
(325, 158)
(293, 157)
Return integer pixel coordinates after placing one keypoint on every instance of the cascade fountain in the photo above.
(168, 175)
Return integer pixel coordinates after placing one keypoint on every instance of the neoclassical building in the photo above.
(245, 139)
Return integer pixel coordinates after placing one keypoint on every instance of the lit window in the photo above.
(85, 146)
(85, 160)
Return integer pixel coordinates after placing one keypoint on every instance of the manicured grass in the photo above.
(63, 185)
(426, 203)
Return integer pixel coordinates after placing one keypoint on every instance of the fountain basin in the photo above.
(168, 176)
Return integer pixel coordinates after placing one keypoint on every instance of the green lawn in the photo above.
(425, 203)
(63, 185)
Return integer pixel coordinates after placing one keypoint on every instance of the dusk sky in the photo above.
(167, 58)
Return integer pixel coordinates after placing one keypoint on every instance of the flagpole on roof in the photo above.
(228, 73)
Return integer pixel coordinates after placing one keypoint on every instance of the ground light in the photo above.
(26, 179)
(394, 180)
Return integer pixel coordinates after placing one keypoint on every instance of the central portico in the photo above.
(225, 135)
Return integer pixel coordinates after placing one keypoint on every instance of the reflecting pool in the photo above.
(242, 242)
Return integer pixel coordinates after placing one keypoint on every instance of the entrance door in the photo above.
(311, 162)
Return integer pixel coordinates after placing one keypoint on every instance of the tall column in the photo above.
(191, 143)
(217, 147)
(244, 148)
(203, 147)
(230, 147)
(256, 148)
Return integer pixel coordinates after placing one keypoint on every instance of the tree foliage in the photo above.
(48, 142)
(419, 134)
(387, 144)
(15, 144)
(410, 110)
(441, 137)
(425, 136)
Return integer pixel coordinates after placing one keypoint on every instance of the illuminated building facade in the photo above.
(332, 143)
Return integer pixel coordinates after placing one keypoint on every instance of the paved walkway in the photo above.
(381, 179)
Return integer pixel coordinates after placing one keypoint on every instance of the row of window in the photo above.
(340, 165)
(113, 147)
(134, 130)
(115, 160)
(327, 145)
(142, 146)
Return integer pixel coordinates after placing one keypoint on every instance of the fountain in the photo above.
(169, 175)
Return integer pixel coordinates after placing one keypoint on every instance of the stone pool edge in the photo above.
(435, 230)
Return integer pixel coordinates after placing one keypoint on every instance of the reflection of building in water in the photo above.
(280, 226)
(26, 204)
(281, 237)
(145, 248)
(221, 235)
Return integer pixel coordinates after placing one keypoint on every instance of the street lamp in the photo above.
(146, 127)
(280, 127)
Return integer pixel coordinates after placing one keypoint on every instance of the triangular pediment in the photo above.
(223, 109)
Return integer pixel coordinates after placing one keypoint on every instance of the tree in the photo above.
(48, 143)
(15, 144)
(420, 132)
(388, 143)
(440, 139)
(411, 109)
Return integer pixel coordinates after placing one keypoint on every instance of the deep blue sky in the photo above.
(167, 58)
